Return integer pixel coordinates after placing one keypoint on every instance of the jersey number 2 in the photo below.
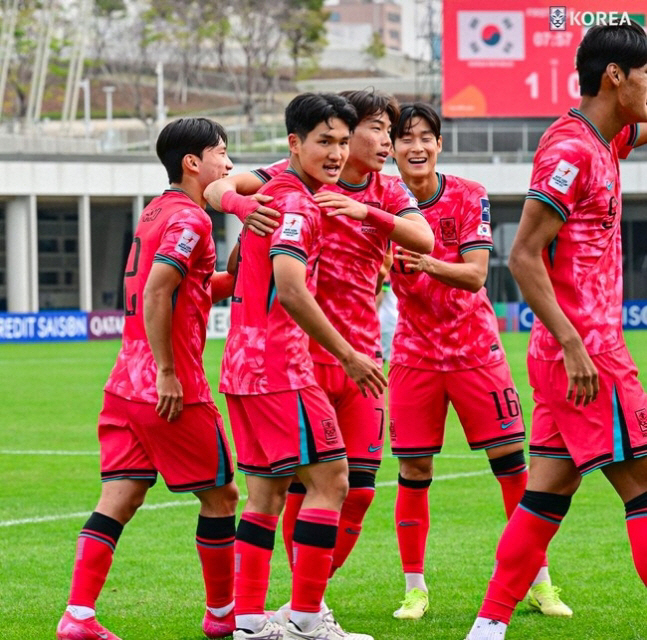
(130, 301)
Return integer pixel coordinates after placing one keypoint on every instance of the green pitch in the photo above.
(49, 484)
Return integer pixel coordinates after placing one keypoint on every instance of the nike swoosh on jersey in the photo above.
(505, 425)
(373, 449)
(407, 523)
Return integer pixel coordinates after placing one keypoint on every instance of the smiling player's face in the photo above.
(322, 154)
(416, 151)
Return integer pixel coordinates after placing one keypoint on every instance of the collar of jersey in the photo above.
(176, 190)
(437, 195)
(356, 187)
(576, 113)
(294, 173)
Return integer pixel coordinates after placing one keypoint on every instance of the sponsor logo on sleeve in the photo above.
(563, 176)
(291, 229)
(413, 201)
(485, 210)
(187, 242)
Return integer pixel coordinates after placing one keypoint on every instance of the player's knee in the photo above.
(417, 468)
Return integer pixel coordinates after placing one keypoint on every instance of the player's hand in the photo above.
(169, 392)
(367, 374)
(417, 261)
(342, 205)
(583, 380)
(262, 221)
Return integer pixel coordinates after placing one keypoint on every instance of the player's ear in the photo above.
(440, 143)
(614, 73)
(294, 142)
(190, 163)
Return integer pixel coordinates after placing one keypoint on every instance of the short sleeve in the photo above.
(184, 240)
(626, 139)
(267, 173)
(476, 222)
(560, 174)
(300, 226)
(400, 200)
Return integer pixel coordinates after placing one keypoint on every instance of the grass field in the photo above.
(51, 394)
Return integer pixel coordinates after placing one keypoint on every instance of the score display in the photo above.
(516, 58)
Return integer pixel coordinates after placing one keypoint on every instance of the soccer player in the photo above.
(281, 419)
(158, 414)
(381, 208)
(447, 348)
(567, 259)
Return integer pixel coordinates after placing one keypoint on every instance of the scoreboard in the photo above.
(516, 58)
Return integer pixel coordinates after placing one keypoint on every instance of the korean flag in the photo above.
(491, 35)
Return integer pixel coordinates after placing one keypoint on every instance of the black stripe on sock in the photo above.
(253, 533)
(216, 528)
(414, 484)
(507, 462)
(297, 487)
(361, 479)
(315, 534)
(636, 504)
(104, 524)
(541, 502)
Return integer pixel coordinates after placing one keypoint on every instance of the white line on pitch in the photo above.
(194, 502)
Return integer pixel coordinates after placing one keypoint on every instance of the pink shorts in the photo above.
(191, 453)
(610, 429)
(485, 400)
(361, 420)
(276, 432)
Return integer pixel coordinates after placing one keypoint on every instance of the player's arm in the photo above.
(410, 230)
(538, 227)
(222, 286)
(385, 267)
(296, 299)
(237, 195)
(162, 282)
(469, 274)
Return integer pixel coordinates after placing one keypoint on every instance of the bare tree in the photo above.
(255, 29)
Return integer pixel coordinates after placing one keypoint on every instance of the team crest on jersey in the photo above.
(330, 432)
(641, 416)
(484, 230)
(448, 231)
(187, 242)
(563, 176)
(292, 224)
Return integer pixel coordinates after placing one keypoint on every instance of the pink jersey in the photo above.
(266, 351)
(576, 172)
(440, 327)
(176, 231)
(351, 258)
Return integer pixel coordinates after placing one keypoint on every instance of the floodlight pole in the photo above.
(85, 85)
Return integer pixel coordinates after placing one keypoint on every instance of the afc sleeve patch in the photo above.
(187, 242)
(291, 229)
(563, 176)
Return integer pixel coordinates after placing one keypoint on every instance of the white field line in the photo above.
(194, 502)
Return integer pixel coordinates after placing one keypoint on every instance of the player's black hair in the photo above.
(307, 110)
(626, 45)
(373, 103)
(186, 136)
(410, 111)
